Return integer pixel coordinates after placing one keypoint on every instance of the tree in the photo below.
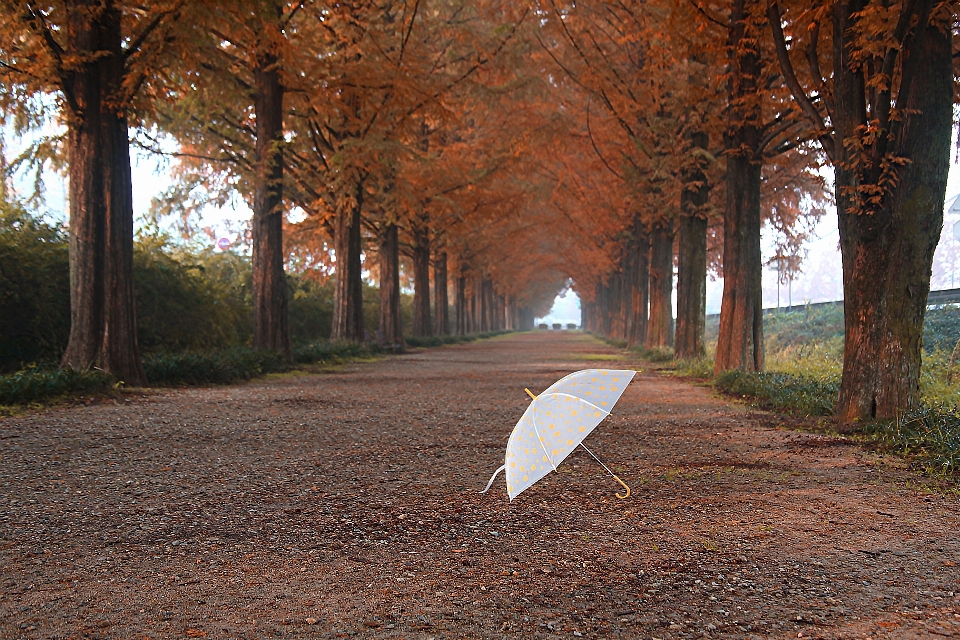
(227, 113)
(878, 87)
(97, 56)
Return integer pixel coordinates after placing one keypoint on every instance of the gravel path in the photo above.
(345, 504)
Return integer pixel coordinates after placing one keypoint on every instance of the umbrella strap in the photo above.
(495, 474)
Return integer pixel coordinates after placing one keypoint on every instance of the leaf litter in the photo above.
(346, 505)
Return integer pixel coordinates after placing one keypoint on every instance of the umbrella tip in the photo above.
(530, 393)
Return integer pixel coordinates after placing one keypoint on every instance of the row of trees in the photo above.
(509, 147)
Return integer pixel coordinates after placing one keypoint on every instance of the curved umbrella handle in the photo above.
(624, 484)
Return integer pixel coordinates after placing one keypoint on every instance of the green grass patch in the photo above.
(783, 391)
(657, 354)
(36, 385)
(930, 433)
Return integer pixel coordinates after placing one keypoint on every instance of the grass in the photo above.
(36, 384)
(806, 395)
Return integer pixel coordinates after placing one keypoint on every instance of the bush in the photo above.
(941, 328)
(543, 326)
(190, 300)
(34, 289)
(657, 354)
(325, 352)
(35, 385)
(571, 326)
(212, 367)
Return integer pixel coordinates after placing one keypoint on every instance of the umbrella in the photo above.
(556, 422)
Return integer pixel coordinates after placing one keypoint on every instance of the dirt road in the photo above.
(345, 504)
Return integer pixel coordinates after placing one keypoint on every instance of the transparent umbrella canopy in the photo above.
(556, 422)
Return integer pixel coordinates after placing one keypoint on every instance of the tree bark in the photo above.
(422, 325)
(391, 328)
(440, 302)
(887, 252)
(102, 308)
(692, 259)
(271, 325)
(639, 284)
(348, 292)
(661, 286)
(460, 304)
(740, 342)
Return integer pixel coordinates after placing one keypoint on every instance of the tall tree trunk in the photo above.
(617, 328)
(661, 286)
(740, 343)
(486, 305)
(692, 257)
(348, 292)
(474, 315)
(391, 329)
(640, 284)
(887, 253)
(422, 325)
(440, 303)
(271, 326)
(526, 319)
(103, 316)
(460, 304)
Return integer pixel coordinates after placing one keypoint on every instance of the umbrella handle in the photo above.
(624, 484)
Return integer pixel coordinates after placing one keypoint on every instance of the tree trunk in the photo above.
(103, 316)
(391, 329)
(460, 304)
(348, 292)
(618, 330)
(526, 319)
(740, 343)
(661, 286)
(271, 326)
(440, 303)
(692, 259)
(639, 284)
(421, 279)
(887, 253)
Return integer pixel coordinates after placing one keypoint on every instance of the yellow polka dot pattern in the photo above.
(557, 422)
(600, 387)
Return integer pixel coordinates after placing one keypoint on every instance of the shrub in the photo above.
(543, 326)
(323, 352)
(34, 289)
(571, 326)
(34, 385)
(212, 367)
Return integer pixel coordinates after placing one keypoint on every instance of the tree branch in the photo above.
(790, 77)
